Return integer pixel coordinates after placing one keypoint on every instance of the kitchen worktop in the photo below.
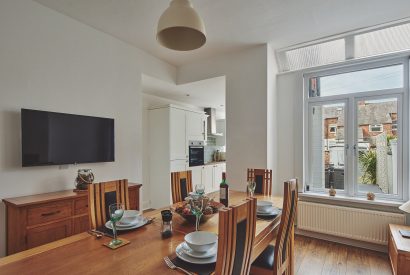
(215, 162)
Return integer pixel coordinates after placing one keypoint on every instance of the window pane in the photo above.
(390, 77)
(315, 55)
(327, 146)
(383, 41)
(377, 146)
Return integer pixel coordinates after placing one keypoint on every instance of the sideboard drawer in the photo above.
(48, 233)
(48, 212)
(81, 206)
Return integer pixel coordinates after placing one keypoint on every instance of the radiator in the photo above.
(353, 223)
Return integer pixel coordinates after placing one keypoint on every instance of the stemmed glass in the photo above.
(197, 210)
(116, 212)
(251, 187)
(200, 189)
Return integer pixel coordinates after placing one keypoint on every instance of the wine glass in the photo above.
(197, 210)
(200, 189)
(251, 187)
(116, 212)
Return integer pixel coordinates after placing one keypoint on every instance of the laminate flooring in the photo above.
(314, 257)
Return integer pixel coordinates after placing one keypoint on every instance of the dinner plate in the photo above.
(122, 225)
(273, 212)
(199, 255)
(120, 228)
(183, 256)
(267, 210)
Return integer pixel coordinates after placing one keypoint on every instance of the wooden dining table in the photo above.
(85, 254)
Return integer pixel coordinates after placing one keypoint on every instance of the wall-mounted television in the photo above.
(50, 138)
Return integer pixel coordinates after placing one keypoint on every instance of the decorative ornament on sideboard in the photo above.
(84, 178)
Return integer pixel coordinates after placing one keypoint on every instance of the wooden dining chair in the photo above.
(236, 233)
(101, 195)
(181, 185)
(279, 259)
(263, 179)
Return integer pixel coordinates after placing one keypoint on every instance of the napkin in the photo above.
(200, 269)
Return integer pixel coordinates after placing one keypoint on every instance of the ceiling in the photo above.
(232, 24)
(203, 94)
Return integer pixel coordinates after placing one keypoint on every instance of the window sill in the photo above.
(356, 202)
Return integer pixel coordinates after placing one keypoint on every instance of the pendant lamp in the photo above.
(180, 27)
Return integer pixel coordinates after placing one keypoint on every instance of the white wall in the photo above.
(51, 62)
(246, 106)
(272, 116)
(289, 128)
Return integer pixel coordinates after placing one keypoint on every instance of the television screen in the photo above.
(50, 138)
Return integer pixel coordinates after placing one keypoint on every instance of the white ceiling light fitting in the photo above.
(180, 27)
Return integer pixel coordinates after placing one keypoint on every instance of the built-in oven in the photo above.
(196, 153)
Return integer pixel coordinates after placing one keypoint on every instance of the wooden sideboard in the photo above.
(399, 250)
(39, 219)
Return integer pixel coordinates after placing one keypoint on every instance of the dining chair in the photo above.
(236, 233)
(181, 185)
(263, 179)
(279, 259)
(101, 195)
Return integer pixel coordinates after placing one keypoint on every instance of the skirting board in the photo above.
(341, 240)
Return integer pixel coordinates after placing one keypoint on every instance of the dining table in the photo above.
(85, 254)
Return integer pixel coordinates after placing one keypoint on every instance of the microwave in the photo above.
(196, 153)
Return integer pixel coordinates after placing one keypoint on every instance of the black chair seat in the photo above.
(266, 258)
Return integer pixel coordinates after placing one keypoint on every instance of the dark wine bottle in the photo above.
(224, 191)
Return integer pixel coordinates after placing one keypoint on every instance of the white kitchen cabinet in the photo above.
(217, 175)
(178, 165)
(207, 178)
(168, 148)
(195, 126)
(178, 141)
(196, 175)
(209, 175)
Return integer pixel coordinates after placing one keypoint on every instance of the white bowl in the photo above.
(263, 206)
(130, 216)
(201, 241)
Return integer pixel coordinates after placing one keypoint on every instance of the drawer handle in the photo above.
(50, 213)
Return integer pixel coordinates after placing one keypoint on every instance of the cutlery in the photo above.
(171, 265)
(95, 231)
(97, 235)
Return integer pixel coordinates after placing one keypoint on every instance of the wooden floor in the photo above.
(314, 257)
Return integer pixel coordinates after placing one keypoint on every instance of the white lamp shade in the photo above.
(180, 27)
(405, 207)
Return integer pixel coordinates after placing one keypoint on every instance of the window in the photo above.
(355, 120)
(394, 125)
(374, 41)
(377, 128)
(332, 129)
(383, 78)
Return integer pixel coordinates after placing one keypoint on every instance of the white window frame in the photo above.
(371, 126)
(403, 121)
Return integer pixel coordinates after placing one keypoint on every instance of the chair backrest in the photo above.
(284, 247)
(236, 233)
(181, 185)
(101, 195)
(263, 179)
